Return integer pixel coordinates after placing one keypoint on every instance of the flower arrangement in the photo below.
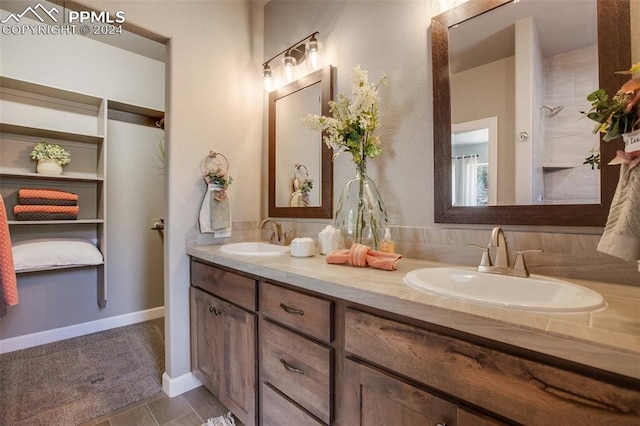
(353, 121)
(360, 214)
(47, 151)
(218, 177)
(307, 186)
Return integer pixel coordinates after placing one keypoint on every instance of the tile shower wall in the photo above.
(569, 78)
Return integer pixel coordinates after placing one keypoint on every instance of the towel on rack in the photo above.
(51, 194)
(8, 281)
(621, 236)
(215, 215)
(45, 212)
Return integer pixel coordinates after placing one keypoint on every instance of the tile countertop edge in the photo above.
(380, 290)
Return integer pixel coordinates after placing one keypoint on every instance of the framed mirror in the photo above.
(300, 163)
(485, 25)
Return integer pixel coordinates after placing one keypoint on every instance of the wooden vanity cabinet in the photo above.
(223, 337)
(501, 384)
(296, 357)
(374, 397)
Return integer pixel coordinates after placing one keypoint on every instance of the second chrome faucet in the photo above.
(277, 236)
(501, 265)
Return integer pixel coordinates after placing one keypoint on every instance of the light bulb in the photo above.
(266, 71)
(314, 54)
(289, 62)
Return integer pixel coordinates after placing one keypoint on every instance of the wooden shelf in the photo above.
(50, 134)
(16, 174)
(558, 166)
(57, 222)
(57, 268)
(54, 92)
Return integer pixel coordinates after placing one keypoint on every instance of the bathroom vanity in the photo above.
(295, 341)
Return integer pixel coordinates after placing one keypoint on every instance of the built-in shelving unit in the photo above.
(31, 112)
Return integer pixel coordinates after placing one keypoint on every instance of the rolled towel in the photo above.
(52, 194)
(360, 255)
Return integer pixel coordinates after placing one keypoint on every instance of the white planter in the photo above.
(631, 141)
(49, 167)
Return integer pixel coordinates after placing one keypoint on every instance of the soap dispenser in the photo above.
(387, 245)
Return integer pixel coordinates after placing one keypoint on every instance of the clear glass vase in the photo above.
(360, 216)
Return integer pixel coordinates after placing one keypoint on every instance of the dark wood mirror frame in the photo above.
(323, 76)
(614, 54)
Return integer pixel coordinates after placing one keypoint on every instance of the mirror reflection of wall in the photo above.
(509, 63)
(298, 145)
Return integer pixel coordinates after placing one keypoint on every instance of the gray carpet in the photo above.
(75, 380)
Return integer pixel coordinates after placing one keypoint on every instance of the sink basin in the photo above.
(536, 293)
(255, 249)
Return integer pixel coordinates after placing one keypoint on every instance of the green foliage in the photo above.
(47, 151)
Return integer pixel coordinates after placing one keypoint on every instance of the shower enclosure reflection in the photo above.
(508, 64)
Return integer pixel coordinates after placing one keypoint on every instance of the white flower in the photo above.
(353, 122)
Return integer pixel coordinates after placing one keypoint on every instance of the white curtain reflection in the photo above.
(464, 180)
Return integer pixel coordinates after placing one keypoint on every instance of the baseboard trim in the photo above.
(49, 336)
(179, 385)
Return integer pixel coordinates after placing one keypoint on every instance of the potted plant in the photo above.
(50, 157)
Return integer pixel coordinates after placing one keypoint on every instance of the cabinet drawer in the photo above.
(235, 288)
(307, 314)
(297, 367)
(525, 391)
(278, 411)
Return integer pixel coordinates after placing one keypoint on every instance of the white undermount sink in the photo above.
(536, 293)
(255, 249)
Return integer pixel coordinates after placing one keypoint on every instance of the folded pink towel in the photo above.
(361, 256)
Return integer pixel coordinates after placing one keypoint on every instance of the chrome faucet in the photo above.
(277, 236)
(499, 241)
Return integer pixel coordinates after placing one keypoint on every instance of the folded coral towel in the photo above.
(8, 282)
(361, 255)
(46, 201)
(46, 216)
(52, 194)
(40, 212)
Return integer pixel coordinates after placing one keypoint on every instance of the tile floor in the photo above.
(189, 409)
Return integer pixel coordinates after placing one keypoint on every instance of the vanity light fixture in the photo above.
(294, 56)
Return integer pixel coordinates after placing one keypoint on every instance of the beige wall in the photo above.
(214, 101)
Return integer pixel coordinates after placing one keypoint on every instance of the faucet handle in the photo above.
(519, 264)
(486, 257)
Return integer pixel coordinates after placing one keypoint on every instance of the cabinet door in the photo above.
(375, 398)
(237, 362)
(205, 335)
(223, 352)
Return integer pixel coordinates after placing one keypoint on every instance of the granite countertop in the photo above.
(608, 339)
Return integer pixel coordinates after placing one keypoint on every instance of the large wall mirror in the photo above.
(300, 164)
(510, 79)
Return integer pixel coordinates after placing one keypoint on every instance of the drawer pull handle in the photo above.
(215, 311)
(288, 367)
(291, 310)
